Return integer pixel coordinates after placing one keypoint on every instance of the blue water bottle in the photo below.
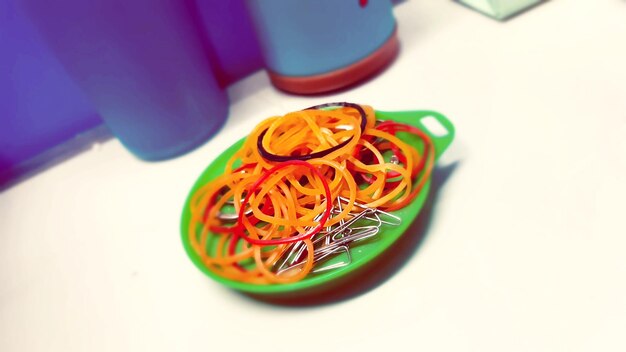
(143, 65)
(314, 46)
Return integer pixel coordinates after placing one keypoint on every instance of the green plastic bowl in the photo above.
(437, 126)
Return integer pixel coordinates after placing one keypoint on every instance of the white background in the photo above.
(526, 245)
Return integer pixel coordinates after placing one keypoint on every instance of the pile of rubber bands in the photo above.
(300, 176)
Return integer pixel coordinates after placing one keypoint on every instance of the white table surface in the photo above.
(526, 248)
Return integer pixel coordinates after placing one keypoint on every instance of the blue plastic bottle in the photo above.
(311, 46)
(143, 65)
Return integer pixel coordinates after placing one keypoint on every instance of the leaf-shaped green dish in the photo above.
(434, 124)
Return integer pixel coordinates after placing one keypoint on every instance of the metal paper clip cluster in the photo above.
(363, 223)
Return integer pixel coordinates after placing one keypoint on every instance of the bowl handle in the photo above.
(435, 124)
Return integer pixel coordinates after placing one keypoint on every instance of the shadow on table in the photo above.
(382, 268)
(11, 174)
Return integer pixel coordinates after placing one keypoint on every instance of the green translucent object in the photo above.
(434, 124)
(500, 9)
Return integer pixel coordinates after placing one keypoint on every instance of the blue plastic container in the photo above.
(144, 66)
(39, 105)
(310, 38)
